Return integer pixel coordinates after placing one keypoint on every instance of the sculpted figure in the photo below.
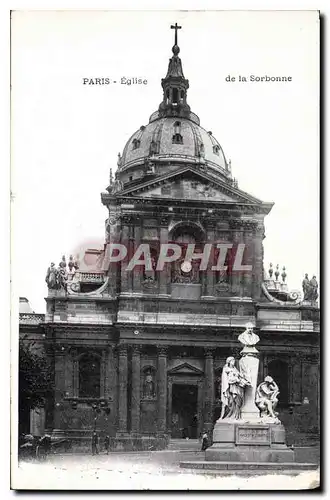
(71, 264)
(266, 397)
(248, 337)
(62, 274)
(149, 387)
(310, 288)
(232, 390)
(117, 186)
(305, 286)
(313, 289)
(51, 277)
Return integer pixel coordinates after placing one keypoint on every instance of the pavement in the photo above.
(156, 470)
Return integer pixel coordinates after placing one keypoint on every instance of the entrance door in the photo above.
(184, 411)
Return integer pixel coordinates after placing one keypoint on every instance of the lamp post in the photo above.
(99, 407)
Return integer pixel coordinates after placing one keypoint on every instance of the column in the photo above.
(208, 291)
(164, 275)
(113, 236)
(136, 385)
(209, 390)
(162, 388)
(235, 275)
(249, 252)
(103, 373)
(110, 374)
(295, 383)
(68, 374)
(138, 270)
(125, 282)
(75, 381)
(258, 255)
(122, 399)
(59, 384)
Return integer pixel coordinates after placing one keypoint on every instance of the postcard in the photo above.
(165, 256)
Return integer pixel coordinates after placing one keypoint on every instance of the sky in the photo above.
(66, 136)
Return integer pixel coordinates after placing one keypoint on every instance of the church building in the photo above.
(137, 352)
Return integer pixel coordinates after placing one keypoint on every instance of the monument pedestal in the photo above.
(241, 441)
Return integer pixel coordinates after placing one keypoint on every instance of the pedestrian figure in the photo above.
(43, 447)
(205, 441)
(106, 444)
(95, 442)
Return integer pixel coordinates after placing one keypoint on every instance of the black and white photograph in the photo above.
(165, 258)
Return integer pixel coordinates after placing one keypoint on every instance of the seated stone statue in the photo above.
(266, 398)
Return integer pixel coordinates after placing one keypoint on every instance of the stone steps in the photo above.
(248, 466)
(184, 444)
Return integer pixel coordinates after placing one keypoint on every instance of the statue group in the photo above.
(57, 278)
(310, 288)
(234, 382)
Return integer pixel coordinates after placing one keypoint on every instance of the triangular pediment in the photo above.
(185, 368)
(194, 189)
(189, 183)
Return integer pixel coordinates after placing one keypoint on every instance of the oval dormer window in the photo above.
(136, 143)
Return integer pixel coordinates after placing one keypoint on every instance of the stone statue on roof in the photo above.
(62, 273)
(313, 289)
(310, 288)
(52, 277)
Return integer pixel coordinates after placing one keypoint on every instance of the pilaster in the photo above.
(209, 390)
(258, 256)
(162, 388)
(122, 385)
(126, 284)
(136, 388)
(236, 275)
(137, 271)
(209, 274)
(164, 275)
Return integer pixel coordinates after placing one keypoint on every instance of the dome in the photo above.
(174, 139)
(173, 136)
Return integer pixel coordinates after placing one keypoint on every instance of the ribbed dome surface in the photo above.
(157, 140)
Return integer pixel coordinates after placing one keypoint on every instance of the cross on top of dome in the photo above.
(176, 48)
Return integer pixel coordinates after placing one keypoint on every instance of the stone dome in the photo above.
(173, 138)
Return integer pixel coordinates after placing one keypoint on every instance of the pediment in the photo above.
(185, 368)
(187, 188)
(188, 183)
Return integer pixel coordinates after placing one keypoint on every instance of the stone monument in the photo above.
(248, 429)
